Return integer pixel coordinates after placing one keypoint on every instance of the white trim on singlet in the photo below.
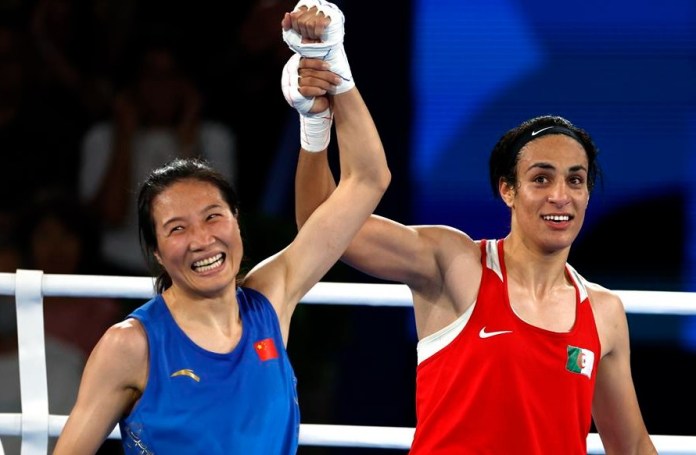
(492, 259)
(579, 282)
(438, 340)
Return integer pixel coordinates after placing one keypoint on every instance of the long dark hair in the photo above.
(159, 180)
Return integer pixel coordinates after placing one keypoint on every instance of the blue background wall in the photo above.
(625, 71)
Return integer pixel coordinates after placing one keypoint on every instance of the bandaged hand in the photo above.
(315, 29)
(315, 127)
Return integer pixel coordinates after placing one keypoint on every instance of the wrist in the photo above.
(315, 130)
(338, 61)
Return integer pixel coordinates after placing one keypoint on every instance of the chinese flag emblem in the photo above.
(266, 349)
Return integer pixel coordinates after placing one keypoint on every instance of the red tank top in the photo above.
(494, 384)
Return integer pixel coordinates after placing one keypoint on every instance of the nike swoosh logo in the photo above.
(484, 334)
(534, 133)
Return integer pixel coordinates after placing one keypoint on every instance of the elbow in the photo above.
(373, 184)
(384, 180)
(378, 179)
(301, 217)
(381, 174)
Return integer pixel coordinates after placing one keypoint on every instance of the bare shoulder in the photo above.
(456, 262)
(448, 239)
(604, 301)
(610, 318)
(438, 247)
(124, 343)
(128, 334)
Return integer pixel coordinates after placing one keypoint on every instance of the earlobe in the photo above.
(509, 196)
(507, 193)
(157, 256)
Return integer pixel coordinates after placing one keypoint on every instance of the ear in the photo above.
(157, 256)
(507, 192)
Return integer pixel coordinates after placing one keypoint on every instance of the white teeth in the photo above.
(557, 217)
(209, 263)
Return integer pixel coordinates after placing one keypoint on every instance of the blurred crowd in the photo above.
(93, 94)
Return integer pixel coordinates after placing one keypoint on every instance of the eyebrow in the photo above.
(545, 165)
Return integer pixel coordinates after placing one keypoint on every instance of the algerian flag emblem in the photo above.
(580, 361)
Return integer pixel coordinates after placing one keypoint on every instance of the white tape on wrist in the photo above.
(338, 62)
(315, 130)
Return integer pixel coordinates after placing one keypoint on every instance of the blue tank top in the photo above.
(200, 402)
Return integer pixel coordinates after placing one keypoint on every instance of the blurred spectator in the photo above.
(71, 80)
(156, 117)
(54, 83)
(58, 236)
(73, 54)
(55, 235)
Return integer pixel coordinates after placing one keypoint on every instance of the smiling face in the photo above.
(198, 239)
(550, 199)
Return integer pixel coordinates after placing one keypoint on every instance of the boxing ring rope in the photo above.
(35, 424)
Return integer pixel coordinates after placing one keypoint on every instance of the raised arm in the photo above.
(287, 276)
(383, 248)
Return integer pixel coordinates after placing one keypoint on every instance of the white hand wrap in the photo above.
(290, 84)
(331, 47)
(315, 129)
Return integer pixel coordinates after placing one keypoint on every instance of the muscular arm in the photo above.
(441, 265)
(382, 248)
(385, 249)
(112, 381)
(424, 257)
(328, 231)
(615, 407)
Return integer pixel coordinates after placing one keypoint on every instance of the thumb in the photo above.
(321, 103)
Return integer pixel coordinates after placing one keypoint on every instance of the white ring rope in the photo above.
(398, 295)
(33, 384)
(35, 425)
